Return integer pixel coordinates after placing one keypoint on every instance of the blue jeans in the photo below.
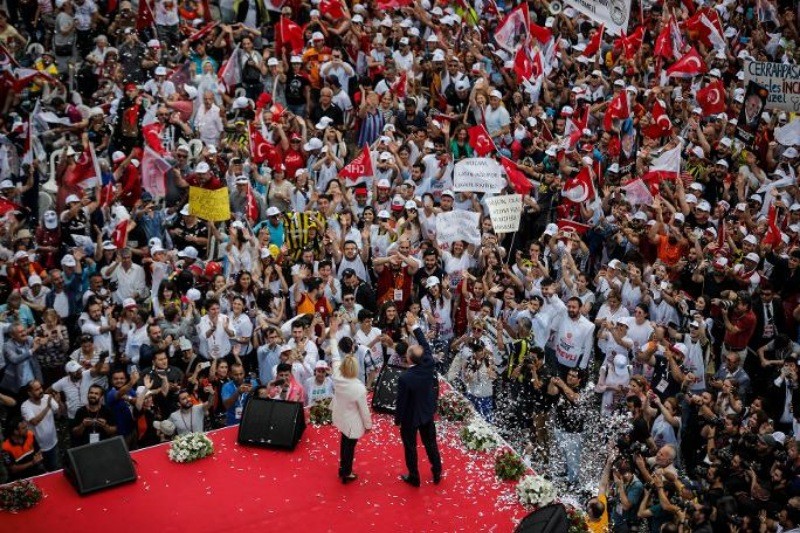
(570, 446)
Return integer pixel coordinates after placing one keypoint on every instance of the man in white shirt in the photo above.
(99, 326)
(215, 332)
(189, 418)
(38, 411)
(74, 386)
(208, 121)
(574, 338)
(304, 346)
(129, 277)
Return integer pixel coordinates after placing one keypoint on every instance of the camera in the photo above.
(725, 304)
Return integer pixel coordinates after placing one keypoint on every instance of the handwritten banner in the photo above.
(478, 174)
(782, 81)
(505, 212)
(213, 206)
(458, 226)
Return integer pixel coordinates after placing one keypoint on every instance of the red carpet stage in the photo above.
(248, 489)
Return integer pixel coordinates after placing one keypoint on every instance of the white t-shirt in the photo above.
(75, 392)
(45, 430)
(218, 344)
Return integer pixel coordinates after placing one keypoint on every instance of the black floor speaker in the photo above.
(99, 466)
(272, 424)
(550, 519)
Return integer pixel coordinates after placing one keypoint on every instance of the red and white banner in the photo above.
(665, 166)
(154, 169)
(514, 30)
(359, 167)
(690, 65)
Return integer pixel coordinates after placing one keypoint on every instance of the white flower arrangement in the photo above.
(190, 447)
(535, 491)
(479, 436)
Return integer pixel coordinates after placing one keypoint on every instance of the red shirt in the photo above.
(395, 286)
(293, 160)
(746, 324)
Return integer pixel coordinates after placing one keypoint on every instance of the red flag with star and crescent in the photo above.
(773, 236)
(630, 44)
(661, 125)
(617, 109)
(593, 46)
(712, 98)
(251, 206)
(691, 64)
(261, 150)
(480, 140)
(517, 178)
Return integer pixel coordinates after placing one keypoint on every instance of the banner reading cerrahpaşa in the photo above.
(478, 174)
(782, 81)
(505, 212)
(613, 13)
(459, 225)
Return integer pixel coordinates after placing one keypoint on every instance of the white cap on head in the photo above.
(202, 167)
(431, 282)
(161, 71)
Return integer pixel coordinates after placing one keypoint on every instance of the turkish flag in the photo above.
(523, 66)
(333, 8)
(663, 46)
(261, 150)
(630, 44)
(23, 77)
(662, 125)
(540, 33)
(289, 34)
(120, 234)
(7, 205)
(144, 18)
(85, 168)
(579, 188)
(389, 5)
(617, 109)
(107, 195)
(251, 206)
(691, 64)
(593, 46)
(400, 86)
(359, 167)
(704, 26)
(520, 182)
(152, 136)
(572, 226)
(480, 141)
(773, 235)
(712, 98)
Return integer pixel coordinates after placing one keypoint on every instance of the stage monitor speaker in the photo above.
(384, 396)
(99, 466)
(550, 519)
(272, 423)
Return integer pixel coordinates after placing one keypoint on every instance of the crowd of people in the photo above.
(637, 335)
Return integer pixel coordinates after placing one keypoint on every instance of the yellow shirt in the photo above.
(601, 525)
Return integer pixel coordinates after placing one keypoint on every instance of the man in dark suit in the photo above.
(416, 404)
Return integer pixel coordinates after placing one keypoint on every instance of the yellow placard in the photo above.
(213, 206)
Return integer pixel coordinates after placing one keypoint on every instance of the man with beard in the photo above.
(94, 421)
(361, 290)
(350, 259)
(189, 416)
(571, 410)
(167, 397)
(574, 339)
(235, 394)
(117, 400)
(130, 113)
(155, 343)
(39, 412)
(512, 396)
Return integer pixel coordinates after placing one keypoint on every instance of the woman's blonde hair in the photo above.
(349, 368)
